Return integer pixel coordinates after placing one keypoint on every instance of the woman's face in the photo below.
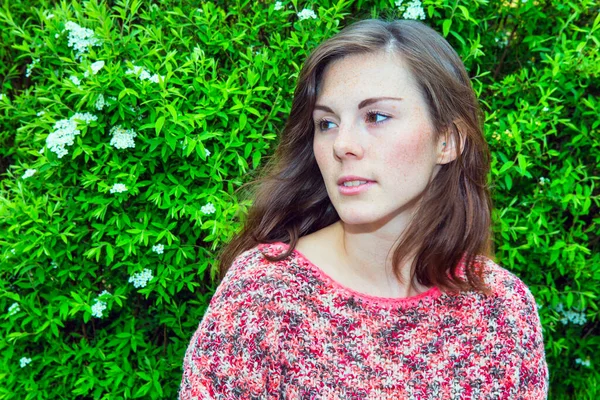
(372, 122)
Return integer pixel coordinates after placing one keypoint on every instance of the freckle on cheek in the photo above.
(409, 152)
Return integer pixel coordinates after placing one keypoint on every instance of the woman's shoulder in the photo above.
(252, 276)
(505, 284)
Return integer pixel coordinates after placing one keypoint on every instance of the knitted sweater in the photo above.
(286, 330)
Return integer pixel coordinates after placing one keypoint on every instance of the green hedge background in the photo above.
(107, 252)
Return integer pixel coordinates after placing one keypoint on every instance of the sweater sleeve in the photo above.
(233, 353)
(533, 370)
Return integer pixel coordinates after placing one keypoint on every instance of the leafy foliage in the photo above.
(106, 256)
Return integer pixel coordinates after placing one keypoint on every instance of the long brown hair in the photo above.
(291, 201)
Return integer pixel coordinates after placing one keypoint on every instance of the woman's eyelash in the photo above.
(321, 122)
(369, 115)
(375, 113)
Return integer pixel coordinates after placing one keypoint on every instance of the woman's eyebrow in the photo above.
(362, 104)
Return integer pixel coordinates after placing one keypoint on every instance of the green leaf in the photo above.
(508, 181)
(243, 119)
(159, 124)
(446, 27)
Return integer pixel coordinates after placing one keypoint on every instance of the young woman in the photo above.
(362, 271)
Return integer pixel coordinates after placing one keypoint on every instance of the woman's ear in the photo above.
(452, 142)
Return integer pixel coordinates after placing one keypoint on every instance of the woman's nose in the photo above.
(346, 143)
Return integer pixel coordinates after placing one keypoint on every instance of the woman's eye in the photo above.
(375, 117)
(325, 125)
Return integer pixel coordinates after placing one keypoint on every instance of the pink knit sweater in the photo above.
(285, 330)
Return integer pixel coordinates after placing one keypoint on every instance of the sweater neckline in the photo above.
(403, 302)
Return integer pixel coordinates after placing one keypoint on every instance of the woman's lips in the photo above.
(354, 190)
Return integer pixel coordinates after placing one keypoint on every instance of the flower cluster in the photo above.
(29, 173)
(97, 66)
(100, 102)
(140, 279)
(80, 39)
(278, 6)
(585, 363)
(65, 131)
(118, 188)
(13, 309)
(144, 75)
(98, 307)
(502, 40)
(306, 14)
(31, 66)
(414, 10)
(122, 138)
(544, 181)
(159, 248)
(208, 208)
(575, 317)
(104, 293)
(24, 361)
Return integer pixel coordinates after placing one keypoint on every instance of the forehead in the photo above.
(360, 76)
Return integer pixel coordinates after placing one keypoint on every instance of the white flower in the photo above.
(41, 151)
(64, 133)
(97, 66)
(543, 181)
(39, 114)
(140, 279)
(154, 78)
(122, 138)
(24, 361)
(85, 117)
(398, 3)
(80, 39)
(13, 309)
(278, 6)
(585, 363)
(306, 13)
(56, 35)
(545, 109)
(104, 293)
(414, 10)
(159, 248)
(31, 66)
(50, 16)
(54, 265)
(100, 102)
(208, 208)
(144, 75)
(29, 173)
(207, 152)
(12, 251)
(118, 188)
(133, 71)
(577, 317)
(97, 308)
(75, 80)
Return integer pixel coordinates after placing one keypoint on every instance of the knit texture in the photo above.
(285, 330)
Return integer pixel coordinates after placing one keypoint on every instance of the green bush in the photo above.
(126, 128)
